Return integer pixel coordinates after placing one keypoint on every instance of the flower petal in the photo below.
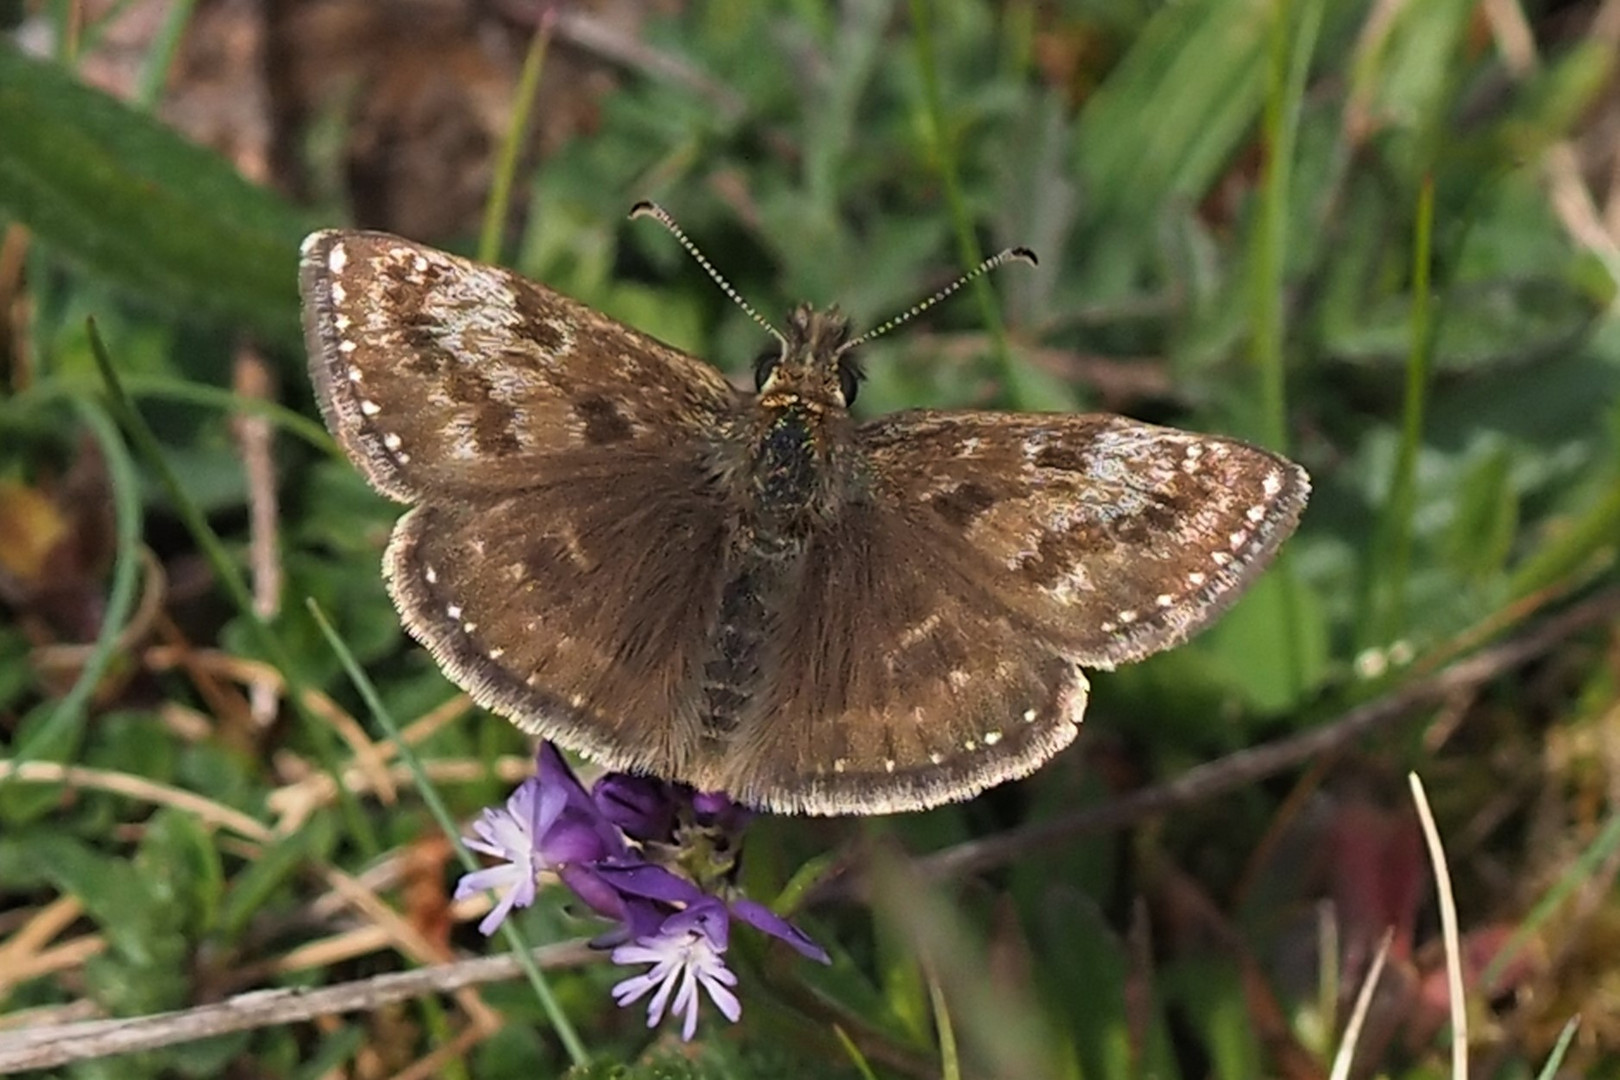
(490, 877)
(686, 1001)
(598, 895)
(723, 998)
(643, 807)
(651, 882)
(766, 921)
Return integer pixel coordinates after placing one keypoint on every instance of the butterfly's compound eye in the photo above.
(764, 364)
(849, 380)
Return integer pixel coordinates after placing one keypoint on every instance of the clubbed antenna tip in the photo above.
(1013, 254)
(646, 208)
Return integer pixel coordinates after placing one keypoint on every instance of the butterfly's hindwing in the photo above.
(898, 682)
(580, 607)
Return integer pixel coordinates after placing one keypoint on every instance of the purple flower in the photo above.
(549, 823)
(686, 953)
(643, 807)
(716, 810)
(654, 857)
(649, 882)
(505, 834)
(652, 811)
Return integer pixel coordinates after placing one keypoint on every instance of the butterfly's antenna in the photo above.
(653, 210)
(1016, 254)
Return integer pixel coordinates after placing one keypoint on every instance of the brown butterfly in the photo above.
(753, 592)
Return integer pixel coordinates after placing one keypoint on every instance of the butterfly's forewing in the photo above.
(1111, 538)
(446, 378)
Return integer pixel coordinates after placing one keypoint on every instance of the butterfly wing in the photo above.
(1113, 539)
(442, 375)
(578, 607)
(564, 554)
(899, 682)
(937, 643)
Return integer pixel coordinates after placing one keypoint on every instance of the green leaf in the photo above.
(57, 741)
(1273, 645)
(1486, 518)
(252, 889)
(1199, 72)
(1085, 989)
(181, 868)
(137, 203)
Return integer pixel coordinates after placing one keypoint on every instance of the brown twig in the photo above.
(1246, 767)
(256, 441)
(57, 1044)
(600, 38)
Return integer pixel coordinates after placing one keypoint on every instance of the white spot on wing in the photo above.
(916, 633)
(337, 258)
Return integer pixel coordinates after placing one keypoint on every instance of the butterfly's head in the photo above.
(813, 365)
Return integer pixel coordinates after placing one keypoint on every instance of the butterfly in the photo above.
(755, 592)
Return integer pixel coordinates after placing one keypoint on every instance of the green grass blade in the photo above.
(121, 597)
(500, 192)
(146, 444)
(1555, 1060)
(133, 201)
(159, 58)
(167, 388)
(521, 949)
(967, 244)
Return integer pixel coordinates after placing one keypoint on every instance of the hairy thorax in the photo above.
(798, 475)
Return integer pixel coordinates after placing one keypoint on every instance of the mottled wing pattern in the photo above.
(445, 375)
(579, 607)
(899, 682)
(936, 646)
(1110, 539)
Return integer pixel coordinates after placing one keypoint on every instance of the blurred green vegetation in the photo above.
(1343, 230)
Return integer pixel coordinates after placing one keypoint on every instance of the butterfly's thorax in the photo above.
(799, 436)
(798, 468)
(798, 471)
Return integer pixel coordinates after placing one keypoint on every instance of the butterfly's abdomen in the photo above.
(736, 646)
